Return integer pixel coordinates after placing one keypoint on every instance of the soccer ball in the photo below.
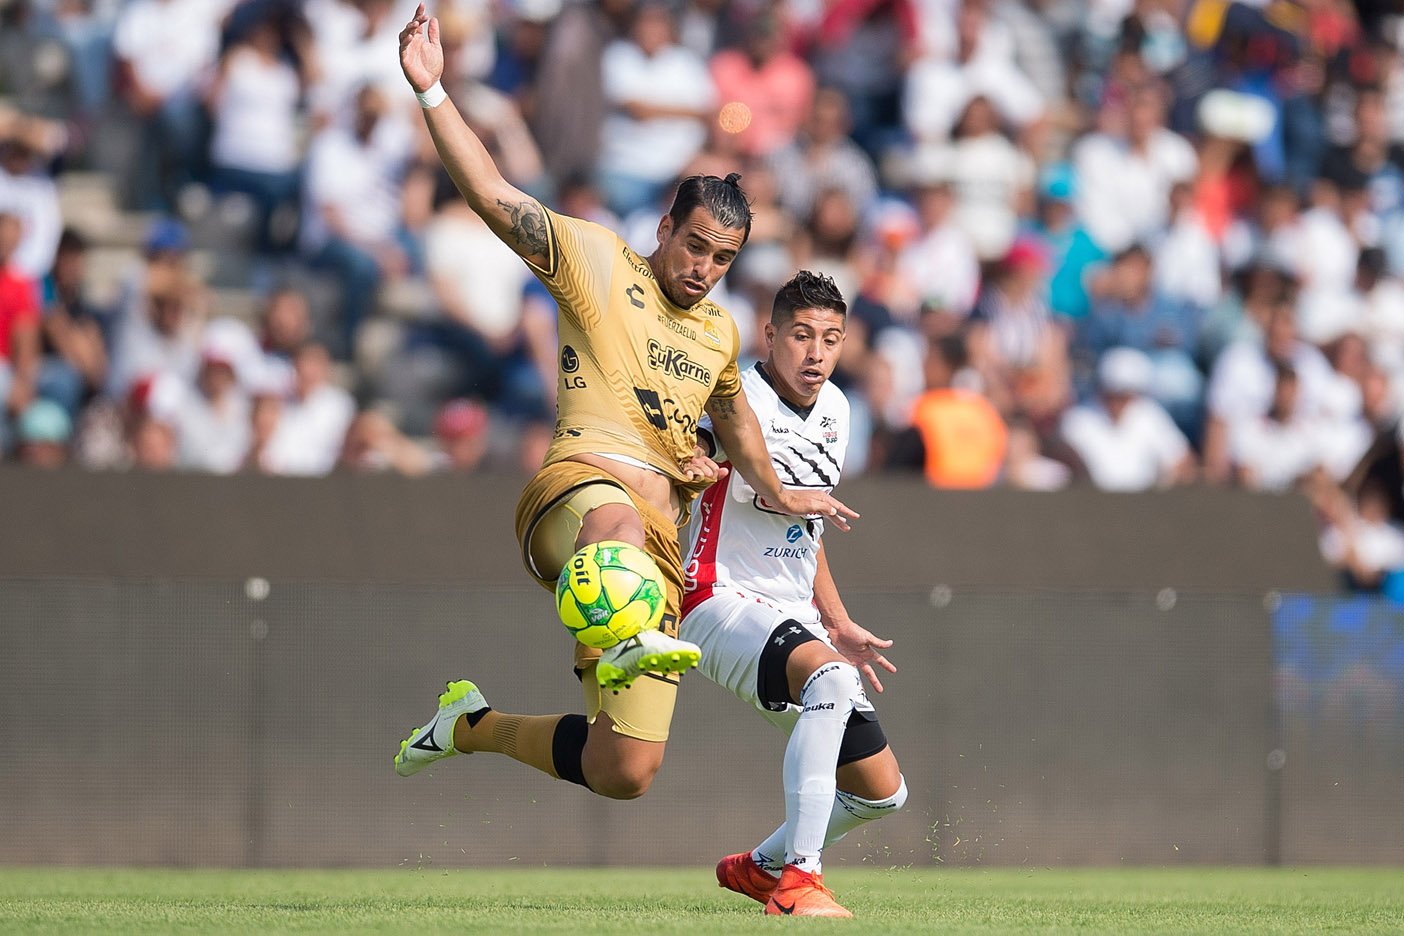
(608, 592)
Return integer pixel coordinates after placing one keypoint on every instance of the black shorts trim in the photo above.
(772, 687)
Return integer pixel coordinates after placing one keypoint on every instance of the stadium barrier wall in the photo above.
(202, 671)
(450, 529)
(253, 723)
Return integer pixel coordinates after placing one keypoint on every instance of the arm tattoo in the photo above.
(528, 227)
(722, 408)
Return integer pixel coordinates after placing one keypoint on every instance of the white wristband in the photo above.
(435, 96)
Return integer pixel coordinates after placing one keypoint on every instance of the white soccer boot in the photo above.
(650, 651)
(434, 741)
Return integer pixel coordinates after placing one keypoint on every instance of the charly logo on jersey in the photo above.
(712, 333)
(676, 363)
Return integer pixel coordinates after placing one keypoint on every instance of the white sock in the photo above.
(811, 757)
(849, 812)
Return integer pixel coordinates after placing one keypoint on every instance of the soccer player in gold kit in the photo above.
(643, 353)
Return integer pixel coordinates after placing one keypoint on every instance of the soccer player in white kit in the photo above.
(760, 602)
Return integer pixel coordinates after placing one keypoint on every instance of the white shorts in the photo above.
(732, 627)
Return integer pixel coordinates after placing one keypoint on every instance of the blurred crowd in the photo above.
(1132, 243)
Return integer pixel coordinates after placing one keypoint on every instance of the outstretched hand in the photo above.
(811, 503)
(860, 647)
(421, 52)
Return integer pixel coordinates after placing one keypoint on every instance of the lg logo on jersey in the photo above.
(570, 363)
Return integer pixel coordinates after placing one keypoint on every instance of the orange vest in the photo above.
(964, 437)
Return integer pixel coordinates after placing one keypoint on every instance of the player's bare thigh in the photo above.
(874, 777)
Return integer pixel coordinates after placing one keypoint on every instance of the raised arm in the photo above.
(513, 216)
(735, 425)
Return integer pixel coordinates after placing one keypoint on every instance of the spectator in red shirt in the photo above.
(19, 328)
(764, 90)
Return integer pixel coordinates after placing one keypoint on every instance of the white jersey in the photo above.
(735, 539)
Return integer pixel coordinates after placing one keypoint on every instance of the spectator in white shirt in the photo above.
(940, 267)
(212, 422)
(312, 423)
(1125, 179)
(507, 347)
(1362, 542)
(160, 334)
(28, 192)
(1275, 450)
(1187, 264)
(254, 106)
(164, 50)
(939, 88)
(1242, 385)
(992, 179)
(351, 220)
(1126, 440)
(660, 96)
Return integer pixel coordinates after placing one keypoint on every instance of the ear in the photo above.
(769, 335)
(665, 228)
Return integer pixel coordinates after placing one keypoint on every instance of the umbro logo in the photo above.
(426, 743)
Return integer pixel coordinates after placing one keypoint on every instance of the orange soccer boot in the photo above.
(740, 873)
(800, 893)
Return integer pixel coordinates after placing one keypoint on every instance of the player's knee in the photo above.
(872, 809)
(625, 780)
(832, 690)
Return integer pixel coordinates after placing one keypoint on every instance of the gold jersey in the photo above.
(634, 370)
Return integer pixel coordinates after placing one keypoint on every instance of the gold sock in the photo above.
(525, 738)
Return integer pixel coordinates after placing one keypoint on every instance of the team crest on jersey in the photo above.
(676, 363)
(711, 333)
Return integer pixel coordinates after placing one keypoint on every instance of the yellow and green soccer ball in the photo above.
(608, 592)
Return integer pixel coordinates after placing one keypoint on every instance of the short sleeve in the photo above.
(708, 439)
(579, 257)
(729, 381)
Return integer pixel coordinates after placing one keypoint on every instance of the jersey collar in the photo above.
(801, 411)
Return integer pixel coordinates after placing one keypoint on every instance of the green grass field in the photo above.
(37, 900)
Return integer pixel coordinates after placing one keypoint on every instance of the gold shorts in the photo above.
(549, 515)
